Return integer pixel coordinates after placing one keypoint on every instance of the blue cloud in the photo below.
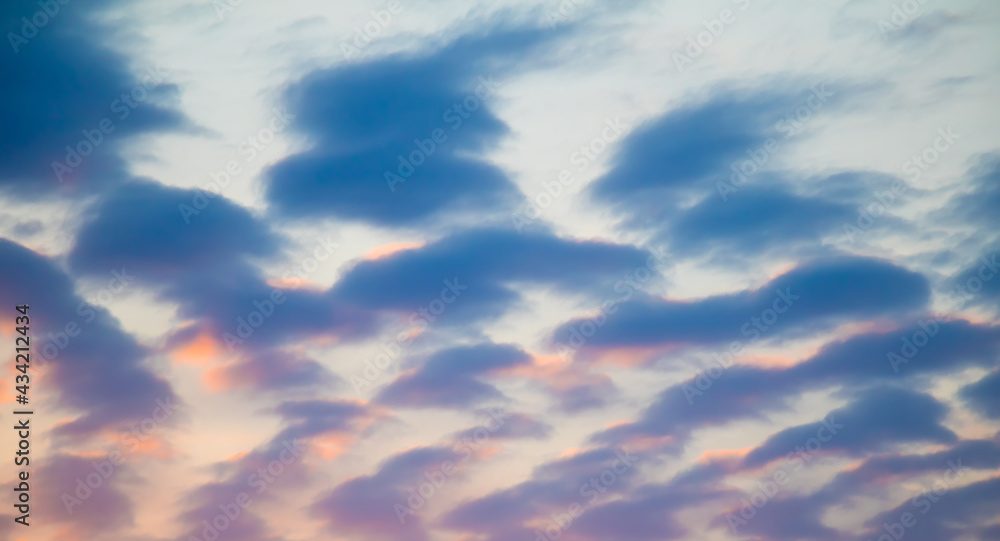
(814, 294)
(70, 100)
(490, 264)
(876, 420)
(984, 395)
(400, 140)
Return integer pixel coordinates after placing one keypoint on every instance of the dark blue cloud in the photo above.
(975, 454)
(979, 283)
(756, 219)
(206, 265)
(775, 214)
(978, 205)
(704, 178)
(451, 378)
(877, 420)
(924, 348)
(739, 392)
(814, 295)
(490, 264)
(141, 225)
(65, 87)
(691, 146)
(399, 140)
(984, 395)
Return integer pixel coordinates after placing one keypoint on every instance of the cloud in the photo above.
(791, 516)
(757, 219)
(451, 378)
(278, 370)
(723, 395)
(815, 294)
(207, 267)
(274, 467)
(653, 511)
(984, 395)
(68, 88)
(490, 265)
(876, 420)
(369, 505)
(399, 140)
(689, 147)
(584, 479)
(977, 203)
(740, 392)
(85, 494)
(514, 426)
(979, 283)
(140, 226)
(955, 514)
(98, 368)
(705, 176)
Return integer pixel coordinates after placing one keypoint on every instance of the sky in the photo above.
(498, 271)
